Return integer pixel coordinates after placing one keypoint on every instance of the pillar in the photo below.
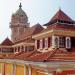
(29, 68)
(24, 69)
(14, 69)
(24, 48)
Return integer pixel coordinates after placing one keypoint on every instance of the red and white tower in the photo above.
(19, 22)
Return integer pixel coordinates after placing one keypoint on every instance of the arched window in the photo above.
(68, 42)
(55, 41)
(38, 44)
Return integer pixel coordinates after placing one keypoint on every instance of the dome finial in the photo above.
(59, 7)
(20, 5)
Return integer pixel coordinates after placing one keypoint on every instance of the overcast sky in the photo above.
(38, 11)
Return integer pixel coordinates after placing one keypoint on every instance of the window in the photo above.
(55, 41)
(49, 41)
(38, 44)
(43, 43)
(30, 48)
(68, 42)
(73, 41)
(61, 42)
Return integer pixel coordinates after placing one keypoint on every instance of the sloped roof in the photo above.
(35, 56)
(42, 57)
(25, 56)
(54, 55)
(60, 15)
(20, 11)
(7, 42)
(31, 31)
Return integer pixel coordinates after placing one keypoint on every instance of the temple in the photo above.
(35, 50)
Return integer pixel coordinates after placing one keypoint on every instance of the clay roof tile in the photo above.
(7, 42)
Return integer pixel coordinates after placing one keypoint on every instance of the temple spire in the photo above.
(20, 6)
(59, 8)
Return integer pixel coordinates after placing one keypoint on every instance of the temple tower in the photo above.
(19, 22)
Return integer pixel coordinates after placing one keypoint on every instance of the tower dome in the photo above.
(20, 11)
(20, 16)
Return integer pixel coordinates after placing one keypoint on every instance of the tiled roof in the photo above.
(35, 56)
(54, 55)
(31, 31)
(62, 26)
(43, 57)
(7, 42)
(60, 15)
(59, 27)
(25, 56)
(12, 56)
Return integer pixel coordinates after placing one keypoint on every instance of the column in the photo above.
(14, 69)
(3, 69)
(20, 49)
(24, 69)
(41, 44)
(16, 49)
(29, 68)
(24, 49)
(1, 50)
(35, 44)
(46, 43)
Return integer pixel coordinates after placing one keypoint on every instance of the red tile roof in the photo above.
(7, 42)
(60, 15)
(59, 27)
(35, 56)
(64, 27)
(25, 56)
(43, 57)
(33, 30)
(30, 31)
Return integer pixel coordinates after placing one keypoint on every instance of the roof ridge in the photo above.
(7, 41)
(59, 15)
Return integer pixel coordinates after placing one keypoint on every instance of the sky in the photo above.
(38, 11)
